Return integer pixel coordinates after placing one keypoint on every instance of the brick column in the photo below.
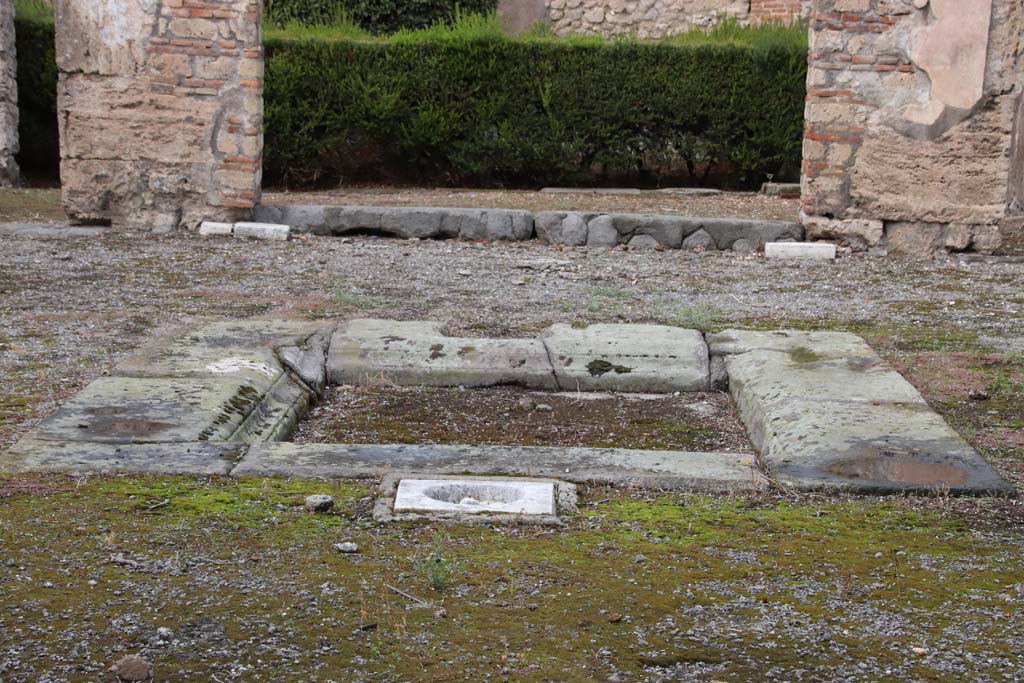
(910, 123)
(9, 174)
(161, 110)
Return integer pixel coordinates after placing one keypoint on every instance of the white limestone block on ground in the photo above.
(215, 229)
(263, 231)
(421, 354)
(806, 251)
(635, 358)
(475, 496)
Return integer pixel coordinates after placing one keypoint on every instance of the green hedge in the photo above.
(492, 111)
(375, 16)
(37, 99)
(532, 112)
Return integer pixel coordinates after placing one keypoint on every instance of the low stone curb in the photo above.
(47, 231)
(402, 222)
(569, 228)
(639, 231)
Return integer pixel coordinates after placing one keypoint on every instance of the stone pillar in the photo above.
(909, 133)
(161, 110)
(9, 174)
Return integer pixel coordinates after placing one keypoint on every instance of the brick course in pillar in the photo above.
(9, 174)
(880, 171)
(161, 110)
(778, 11)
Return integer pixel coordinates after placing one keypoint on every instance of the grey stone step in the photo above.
(825, 412)
(364, 351)
(628, 358)
(710, 472)
(86, 457)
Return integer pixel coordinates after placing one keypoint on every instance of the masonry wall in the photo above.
(160, 109)
(912, 138)
(648, 18)
(9, 174)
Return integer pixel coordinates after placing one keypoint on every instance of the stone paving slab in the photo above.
(808, 345)
(711, 472)
(84, 457)
(779, 376)
(863, 447)
(149, 410)
(421, 354)
(628, 358)
(827, 413)
(228, 349)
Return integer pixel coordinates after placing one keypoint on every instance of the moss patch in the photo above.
(646, 587)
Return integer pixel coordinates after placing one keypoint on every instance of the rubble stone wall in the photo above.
(912, 126)
(161, 110)
(657, 18)
(9, 174)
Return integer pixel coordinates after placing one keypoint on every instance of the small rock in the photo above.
(544, 408)
(347, 547)
(743, 246)
(614, 618)
(319, 502)
(132, 668)
(164, 633)
(526, 403)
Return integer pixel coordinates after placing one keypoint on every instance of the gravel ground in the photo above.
(802, 589)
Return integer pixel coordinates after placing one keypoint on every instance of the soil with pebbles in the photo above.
(509, 416)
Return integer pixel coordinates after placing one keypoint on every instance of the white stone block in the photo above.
(263, 231)
(214, 229)
(811, 251)
(473, 496)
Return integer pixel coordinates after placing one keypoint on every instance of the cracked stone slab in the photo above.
(84, 457)
(707, 472)
(629, 358)
(421, 354)
(226, 349)
(827, 414)
(141, 410)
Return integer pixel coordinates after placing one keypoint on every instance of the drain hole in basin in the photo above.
(473, 494)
